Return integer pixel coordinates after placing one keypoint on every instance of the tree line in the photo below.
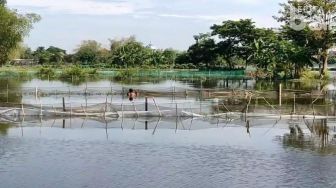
(306, 35)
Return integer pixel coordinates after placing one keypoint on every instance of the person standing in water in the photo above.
(132, 94)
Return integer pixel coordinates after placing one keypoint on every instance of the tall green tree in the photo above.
(169, 57)
(88, 51)
(57, 54)
(129, 52)
(319, 15)
(203, 51)
(42, 55)
(235, 39)
(14, 27)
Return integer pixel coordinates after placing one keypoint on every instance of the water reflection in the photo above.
(4, 128)
(178, 152)
(320, 138)
(10, 91)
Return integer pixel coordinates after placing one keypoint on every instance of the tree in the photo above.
(235, 38)
(27, 54)
(182, 58)
(203, 51)
(129, 52)
(18, 52)
(14, 27)
(3, 2)
(276, 54)
(42, 55)
(57, 54)
(316, 14)
(169, 57)
(88, 51)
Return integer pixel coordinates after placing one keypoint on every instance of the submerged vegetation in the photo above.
(46, 71)
(74, 71)
(125, 74)
(70, 72)
(310, 78)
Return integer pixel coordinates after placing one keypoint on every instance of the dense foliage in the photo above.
(14, 27)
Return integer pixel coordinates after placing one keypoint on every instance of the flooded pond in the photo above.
(204, 151)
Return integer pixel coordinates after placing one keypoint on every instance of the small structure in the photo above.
(23, 62)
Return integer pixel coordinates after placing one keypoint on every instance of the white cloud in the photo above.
(261, 21)
(87, 7)
(196, 17)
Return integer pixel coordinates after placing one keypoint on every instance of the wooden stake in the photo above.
(36, 93)
(23, 112)
(41, 114)
(7, 92)
(146, 104)
(105, 108)
(280, 95)
(157, 107)
(63, 104)
(294, 110)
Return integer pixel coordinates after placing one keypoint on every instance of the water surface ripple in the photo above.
(136, 158)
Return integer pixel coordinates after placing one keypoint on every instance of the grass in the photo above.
(11, 72)
(309, 78)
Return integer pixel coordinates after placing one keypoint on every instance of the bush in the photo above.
(124, 74)
(74, 71)
(46, 72)
(309, 75)
(92, 71)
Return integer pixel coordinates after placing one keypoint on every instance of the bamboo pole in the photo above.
(54, 109)
(122, 110)
(146, 104)
(135, 110)
(63, 104)
(7, 91)
(294, 110)
(111, 94)
(85, 91)
(36, 93)
(41, 113)
(84, 110)
(157, 108)
(23, 112)
(226, 107)
(280, 95)
(247, 107)
(105, 108)
(70, 112)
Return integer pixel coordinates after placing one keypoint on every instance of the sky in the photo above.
(162, 23)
